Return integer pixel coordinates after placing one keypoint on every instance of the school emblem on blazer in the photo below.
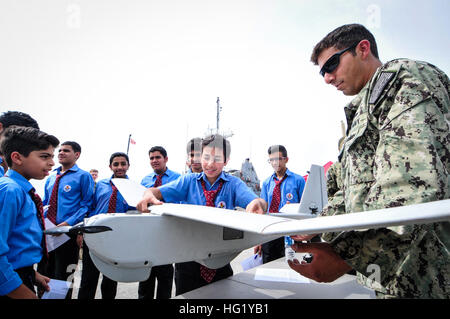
(221, 204)
(289, 196)
(67, 188)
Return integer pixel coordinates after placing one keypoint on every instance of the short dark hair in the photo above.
(17, 118)
(25, 140)
(194, 144)
(158, 149)
(118, 154)
(344, 37)
(75, 146)
(277, 148)
(217, 141)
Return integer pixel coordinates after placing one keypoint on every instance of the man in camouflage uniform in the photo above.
(396, 153)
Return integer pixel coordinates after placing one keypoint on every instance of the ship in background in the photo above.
(247, 173)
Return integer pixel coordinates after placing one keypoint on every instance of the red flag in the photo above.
(132, 141)
(327, 166)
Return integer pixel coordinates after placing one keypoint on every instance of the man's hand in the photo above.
(326, 266)
(59, 225)
(42, 281)
(62, 224)
(149, 198)
(258, 250)
(257, 206)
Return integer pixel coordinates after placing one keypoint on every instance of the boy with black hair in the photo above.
(281, 188)
(194, 154)
(29, 154)
(11, 118)
(164, 273)
(212, 187)
(161, 173)
(68, 195)
(16, 118)
(107, 200)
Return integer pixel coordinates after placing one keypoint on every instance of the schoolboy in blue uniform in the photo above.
(194, 154)
(29, 154)
(158, 161)
(282, 187)
(107, 199)
(68, 204)
(11, 118)
(164, 273)
(194, 164)
(212, 187)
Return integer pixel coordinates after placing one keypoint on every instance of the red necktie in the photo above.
(40, 212)
(52, 209)
(112, 200)
(158, 181)
(276, 195)
(207, 273)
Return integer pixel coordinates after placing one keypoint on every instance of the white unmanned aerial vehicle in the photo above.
(125, 246)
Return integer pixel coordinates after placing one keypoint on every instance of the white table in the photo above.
(244, 286)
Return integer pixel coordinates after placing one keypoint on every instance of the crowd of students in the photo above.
(71, 194)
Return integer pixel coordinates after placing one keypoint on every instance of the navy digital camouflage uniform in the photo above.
(335, 192)
(396, 153)
(334, 187)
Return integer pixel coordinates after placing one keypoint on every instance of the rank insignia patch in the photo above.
(379, 86)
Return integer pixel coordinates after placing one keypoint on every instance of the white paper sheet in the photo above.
(281, 275)
(54, 242)
(251, 262)
(130, 190)
(58, 289)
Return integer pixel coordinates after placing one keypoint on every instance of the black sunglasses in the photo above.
(333, 62)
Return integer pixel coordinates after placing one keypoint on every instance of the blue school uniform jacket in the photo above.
(168, 176)
(20, 230)
(75, 194)
(188, 189)
(102, 195)
(291, 189)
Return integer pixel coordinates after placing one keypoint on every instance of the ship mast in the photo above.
(210, 131)
(219, 108)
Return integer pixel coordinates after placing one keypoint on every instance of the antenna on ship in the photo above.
(219, 108)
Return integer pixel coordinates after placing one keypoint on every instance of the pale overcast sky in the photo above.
(95, 71)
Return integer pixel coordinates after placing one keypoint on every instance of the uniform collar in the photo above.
(19, 179)
(222, 176)
(168, 172)
(74, 168)
(112, 176)
(288, 173)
